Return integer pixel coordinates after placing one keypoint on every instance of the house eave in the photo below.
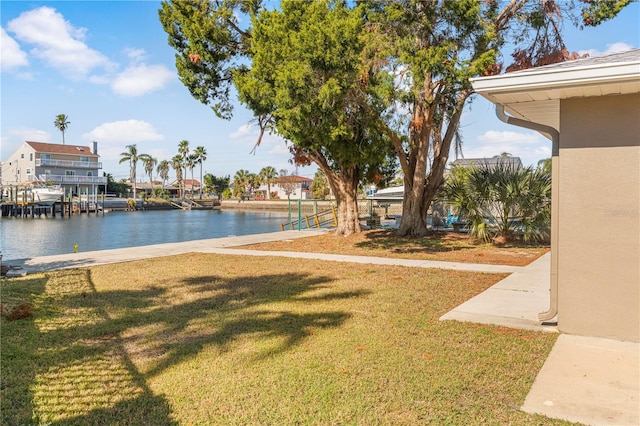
(535, 94)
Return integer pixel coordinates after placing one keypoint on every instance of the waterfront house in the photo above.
(74, 167)
(190, 185)
(298, 187)
(590, 110)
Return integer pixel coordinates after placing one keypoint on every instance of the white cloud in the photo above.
(11, 56)
(127, 132)
(57, 42)
(141, 79)
(242, 132)
(611, 48)
(33, 135)
(530, 146)
(113, 137)
(501, 137)
(135, 55)
(16, 136)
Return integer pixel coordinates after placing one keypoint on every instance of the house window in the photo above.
(28, 171)
(21, 155)
(45, 156)
(31, 156)
(84, 159)
(89, 173)
(47, 172)
(69, 172)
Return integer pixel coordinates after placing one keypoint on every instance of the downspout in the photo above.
(555, 148)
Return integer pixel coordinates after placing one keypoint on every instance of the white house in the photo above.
(74, 167)
(299, 188)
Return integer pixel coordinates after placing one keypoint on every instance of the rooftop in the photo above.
(52, 148)
(534, 94)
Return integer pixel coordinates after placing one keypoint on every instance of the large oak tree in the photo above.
(343, 81)
(435, 47)
(306, 72)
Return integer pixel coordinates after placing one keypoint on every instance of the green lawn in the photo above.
(210, 339)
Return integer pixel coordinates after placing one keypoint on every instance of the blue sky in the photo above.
(107, 66)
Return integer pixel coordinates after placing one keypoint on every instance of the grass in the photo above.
(441, 246)
(209, 339)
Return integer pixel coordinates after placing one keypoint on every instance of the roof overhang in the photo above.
(534, 94)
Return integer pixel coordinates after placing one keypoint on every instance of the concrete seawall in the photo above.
(308, 206)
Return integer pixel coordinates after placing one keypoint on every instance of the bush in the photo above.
(501, 201)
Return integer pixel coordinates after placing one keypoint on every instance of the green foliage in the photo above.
(163, 171)
(208, 47)
(596, 12)
(545, 165)
(502, 200)
(337, 78)
(320, 186)
(114, 187)
(304, 69)
(307, 72)
(62, 123)
(241, 182)
(216, 184)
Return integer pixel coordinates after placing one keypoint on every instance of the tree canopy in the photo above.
(350, 83)
(305, 70)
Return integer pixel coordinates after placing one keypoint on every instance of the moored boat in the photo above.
(47, 195)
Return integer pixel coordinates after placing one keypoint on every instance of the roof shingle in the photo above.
(52, 148)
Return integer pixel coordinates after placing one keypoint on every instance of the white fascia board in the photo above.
(546, 78)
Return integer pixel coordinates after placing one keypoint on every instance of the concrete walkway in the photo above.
(513, 302)
(589, 380)
(226, 246)
(585, 379)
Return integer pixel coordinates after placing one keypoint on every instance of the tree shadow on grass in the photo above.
(18, 342)
(59, 367)
(220, 311)
(434, 242)
(91, 353)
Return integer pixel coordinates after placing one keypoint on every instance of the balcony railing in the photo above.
(68, 180)
(44, 162)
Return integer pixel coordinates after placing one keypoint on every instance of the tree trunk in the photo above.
(347, 200)
(414, 208)
(345, 188)
(420, 189)
(134, 177)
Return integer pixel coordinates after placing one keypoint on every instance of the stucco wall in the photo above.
(599, 217)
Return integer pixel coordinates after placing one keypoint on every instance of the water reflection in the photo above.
(21, 238)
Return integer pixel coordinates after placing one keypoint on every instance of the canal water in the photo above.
(26, 237)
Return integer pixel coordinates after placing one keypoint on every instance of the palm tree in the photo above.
(163, 172)
(132, 156)
(149, 164)
(183, 148)
(183, 151)
(267, 175)
(190, 163)
(240, 182)
(253, 182)
(176, 163)
(502, 202)
(201, 156)
(61, 123)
